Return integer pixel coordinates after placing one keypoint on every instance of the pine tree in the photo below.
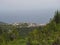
(57, 17)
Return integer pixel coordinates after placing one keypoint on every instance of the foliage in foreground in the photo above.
(47, 35)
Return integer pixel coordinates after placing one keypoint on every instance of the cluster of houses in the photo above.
(28, 24)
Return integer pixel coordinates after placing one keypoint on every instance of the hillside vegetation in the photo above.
(48, 34)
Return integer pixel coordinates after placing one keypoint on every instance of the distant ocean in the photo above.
(33, 16)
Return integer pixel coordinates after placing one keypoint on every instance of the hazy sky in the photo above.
(28, 4)
(15, 9)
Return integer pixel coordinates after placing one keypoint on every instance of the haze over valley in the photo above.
(37, 16)
(36, 11)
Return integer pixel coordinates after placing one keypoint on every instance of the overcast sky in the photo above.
(22, 6)
(28, 4)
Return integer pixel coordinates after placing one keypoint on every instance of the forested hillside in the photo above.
(48, 34)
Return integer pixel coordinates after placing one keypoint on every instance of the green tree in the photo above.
(57, 17)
